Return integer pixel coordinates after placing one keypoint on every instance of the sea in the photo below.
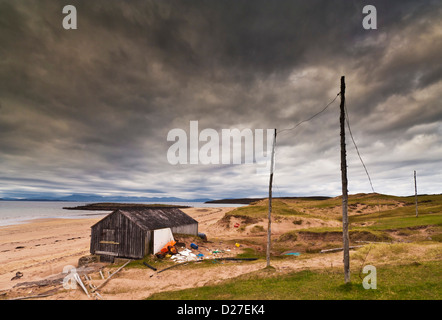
(18, 212)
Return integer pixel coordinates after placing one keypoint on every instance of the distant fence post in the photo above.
(269, 232)
(415, 193)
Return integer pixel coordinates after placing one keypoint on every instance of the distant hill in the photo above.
(98, 198)
(251, 200)
(122, 206)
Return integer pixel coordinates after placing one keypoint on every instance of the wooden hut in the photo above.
(130, 233)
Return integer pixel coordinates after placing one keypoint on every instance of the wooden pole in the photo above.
(344, 187)
(415, 192)
(269, 232)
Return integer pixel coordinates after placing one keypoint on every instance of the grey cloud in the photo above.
(92, 107)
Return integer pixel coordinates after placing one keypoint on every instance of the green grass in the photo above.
(428, 205)
(401, 212)
(260, 211)
(398, 277)
(403, 217)
(366, 199)
(250, 253)
(149, 259)
(412, 281)
(407, 222)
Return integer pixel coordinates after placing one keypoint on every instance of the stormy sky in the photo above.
(89, 110)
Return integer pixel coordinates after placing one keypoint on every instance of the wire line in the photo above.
(369, 179)
(356, 147)
(306, 120)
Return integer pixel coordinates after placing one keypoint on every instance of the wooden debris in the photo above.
(360, 241)
(31, 297)
(119, 269)
(149, 266)
(41, 295)
(176, 265)
(40, 283)
(338, 249)
(78, 279)
(89, 281)
(98, 295)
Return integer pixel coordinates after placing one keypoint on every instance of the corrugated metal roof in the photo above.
(158, 218)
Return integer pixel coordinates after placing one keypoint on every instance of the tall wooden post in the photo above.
(415, 192)
(269, 232)
(344, 187)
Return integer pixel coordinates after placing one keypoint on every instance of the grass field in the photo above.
(406, 250)
(411, 281)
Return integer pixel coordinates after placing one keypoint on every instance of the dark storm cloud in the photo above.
(92, 107)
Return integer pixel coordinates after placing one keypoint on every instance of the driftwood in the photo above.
(41, 295)
(373, 242)
(31, 297)
(40, 283)
(173, 266)
(338, 249)
(55, 280)
(106, 281)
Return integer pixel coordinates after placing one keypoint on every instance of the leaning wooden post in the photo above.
(415, 193)
(106, 281)
(269, 232)
(344, 187)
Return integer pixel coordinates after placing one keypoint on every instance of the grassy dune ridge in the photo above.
(370, 213)
(405, 249)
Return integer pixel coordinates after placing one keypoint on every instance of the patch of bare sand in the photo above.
(41, 248)
(207, 217)
(335, 211)
(134, 284)
(137, 284)
(237, 228)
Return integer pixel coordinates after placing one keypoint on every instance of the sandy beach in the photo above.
(40, 249)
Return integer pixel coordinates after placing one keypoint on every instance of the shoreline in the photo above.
(85, 216)
(42, 247)
(38, 221)
(11, 214)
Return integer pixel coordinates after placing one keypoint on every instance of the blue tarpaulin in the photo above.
(292, 254)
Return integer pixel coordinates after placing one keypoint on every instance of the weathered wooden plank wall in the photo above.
(186, 229)
(116, 235)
